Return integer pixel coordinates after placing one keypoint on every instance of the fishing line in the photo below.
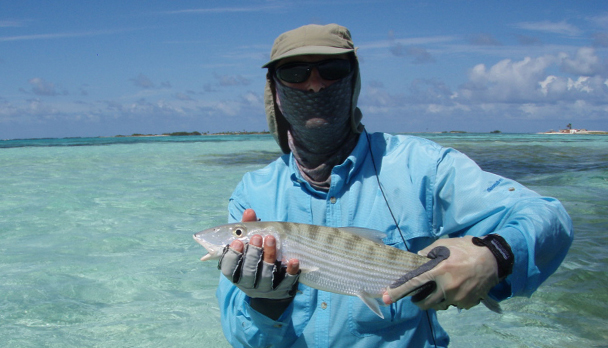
(369, 144)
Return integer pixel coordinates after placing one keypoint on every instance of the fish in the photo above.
(346, 260)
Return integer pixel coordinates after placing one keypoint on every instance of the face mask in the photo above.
(320, 134)
(320, 121)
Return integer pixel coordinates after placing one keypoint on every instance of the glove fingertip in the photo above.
(387, 299)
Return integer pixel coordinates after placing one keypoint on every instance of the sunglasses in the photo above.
(330, 69)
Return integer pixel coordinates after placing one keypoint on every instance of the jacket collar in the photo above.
(342, 174)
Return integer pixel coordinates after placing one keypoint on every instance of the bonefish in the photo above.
(348, 260)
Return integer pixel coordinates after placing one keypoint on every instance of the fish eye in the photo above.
(238, 232)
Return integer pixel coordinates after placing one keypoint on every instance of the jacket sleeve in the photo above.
(242, 325)
(245, 327)
(470, 201)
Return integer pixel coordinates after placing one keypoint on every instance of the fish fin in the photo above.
(366, 233)
(492, 305)
(309, 269)
(371, 302)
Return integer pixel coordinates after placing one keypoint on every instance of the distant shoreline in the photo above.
(137, 135)
(583, 132)
(181, 134)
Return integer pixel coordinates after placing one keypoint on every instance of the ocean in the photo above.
(96, 245)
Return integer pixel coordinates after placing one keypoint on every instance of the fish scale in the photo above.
(352, 265)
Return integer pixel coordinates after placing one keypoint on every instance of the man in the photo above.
(504, 240)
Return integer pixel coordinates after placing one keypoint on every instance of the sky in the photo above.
(105, 68)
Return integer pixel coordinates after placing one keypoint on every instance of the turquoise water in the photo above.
(96, 244)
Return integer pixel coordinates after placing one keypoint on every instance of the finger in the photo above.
(250, 267)
(270, 249)
(391, 295)
(249, 215)
(293, 266)
(436, 300)
(405, 287)
(237, 246)
(438, 243)
(386, 298)
(266, 276)
(423, 291)
(256, 240)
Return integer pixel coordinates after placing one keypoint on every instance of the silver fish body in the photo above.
(349, 261)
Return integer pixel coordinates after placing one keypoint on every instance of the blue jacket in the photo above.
(433, 192)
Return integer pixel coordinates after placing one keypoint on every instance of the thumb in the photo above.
(426, 251)
(249, 215)
(419, 282)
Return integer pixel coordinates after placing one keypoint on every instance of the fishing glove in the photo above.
(461, 272)
(256, 278)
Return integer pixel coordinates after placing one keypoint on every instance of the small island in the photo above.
(195, 133)
(570, 130)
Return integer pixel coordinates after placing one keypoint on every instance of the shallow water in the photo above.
(571, 308)
(96, 247)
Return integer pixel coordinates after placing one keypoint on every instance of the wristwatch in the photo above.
(501, 251)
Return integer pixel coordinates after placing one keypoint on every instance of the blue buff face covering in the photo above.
(320, 134)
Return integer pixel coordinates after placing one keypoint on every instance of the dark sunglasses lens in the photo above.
(294, 73)
(334, 69)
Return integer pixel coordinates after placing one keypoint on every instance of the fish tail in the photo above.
(492, 305)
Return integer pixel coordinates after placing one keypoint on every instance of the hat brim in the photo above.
(307, 50)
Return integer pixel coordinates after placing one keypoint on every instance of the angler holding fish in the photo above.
(352, 221)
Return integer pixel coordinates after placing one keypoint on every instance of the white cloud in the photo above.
(528, 80)
(601, 20)
(483, 39)
(229, 80)
(420, 55)
(11, 23)
(397, 46)
(552, 84)
(562, 27)
(58, 35)
(600, 39)
(506, 81)
(528, 89)
(216, 10)
(44, 88)
(581, 84)
(556, 88)
(182, 96)
(253, 100)
(526, 40)
(585, 62)
(142, 81)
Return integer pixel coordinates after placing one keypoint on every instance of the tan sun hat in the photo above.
(309, 39)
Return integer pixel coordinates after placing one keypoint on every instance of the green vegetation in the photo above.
(240, 133)
(182, 134)
(195, 133)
